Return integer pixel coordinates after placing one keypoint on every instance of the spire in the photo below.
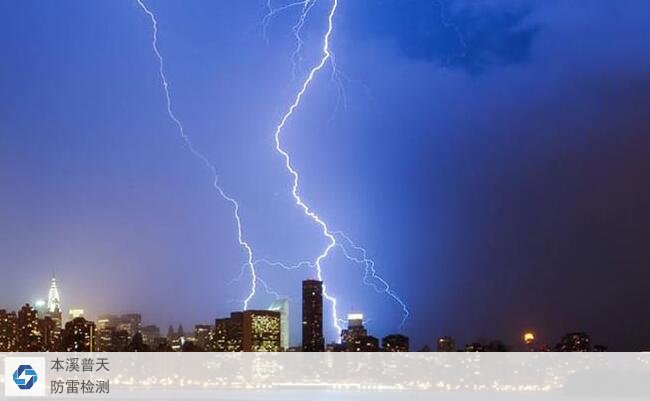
(53, 298)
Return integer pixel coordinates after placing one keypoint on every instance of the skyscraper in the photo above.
(282, 306)
(53, 306)
(312, 316)
(53, 298)
(261, 331)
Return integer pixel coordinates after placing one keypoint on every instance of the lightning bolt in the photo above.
(294, 173)
(370, 272)
(189, 144)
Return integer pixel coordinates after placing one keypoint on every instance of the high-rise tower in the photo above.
(53, 299)
(312, 316)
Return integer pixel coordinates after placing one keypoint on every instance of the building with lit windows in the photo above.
(261, 331)
(355, 338)
(28, 330)
(8, 327)
(355, 329)
(574, 342)
(78, 336)
(202, 335)
(312, 316)
(395, 343)
(228, 333)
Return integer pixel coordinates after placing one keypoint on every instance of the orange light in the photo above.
(529, 337)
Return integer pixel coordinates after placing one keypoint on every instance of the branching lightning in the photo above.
(287, 159)
(215, 182)
(350, 250)
(370, 277)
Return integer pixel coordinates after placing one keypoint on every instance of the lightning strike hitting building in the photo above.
(370, 273)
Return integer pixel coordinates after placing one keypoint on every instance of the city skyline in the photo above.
(235, 333)
(447, 167)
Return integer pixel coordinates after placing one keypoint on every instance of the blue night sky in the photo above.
(490, 155)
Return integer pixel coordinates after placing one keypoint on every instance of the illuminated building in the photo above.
(355, 338)
(446, 344)
(261, 331)
(8, 327)
(52, 308)
(395, 343)
(202, 334)
(574, 342)
(75, 313)
(78, 336)
(312, 316)
(355, 329)
(53, 298)
(282, 306)
(28, 334)
(228, 333)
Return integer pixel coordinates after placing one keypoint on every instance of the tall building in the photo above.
(53, 298)
(395, 343)
(261, 331)
(28, 333)
(52, 308)
(446, 344)
(8, 327)
(312, 316)
(228, 333)
(282, 306)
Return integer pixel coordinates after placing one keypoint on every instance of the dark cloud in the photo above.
(460, 34)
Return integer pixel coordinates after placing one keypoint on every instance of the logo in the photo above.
(24, 377)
